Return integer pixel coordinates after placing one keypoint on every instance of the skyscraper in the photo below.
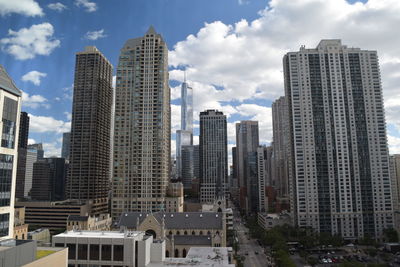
(142, 126)
(184, 136)
(187, 166)
(213, 155)
(26, 158)
(10, 108)
(89, 172)
(247, 140)
(264, 174)
(339, 156)
(280, 122)
(23, 130)
(66, 143)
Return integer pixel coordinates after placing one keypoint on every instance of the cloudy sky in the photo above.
(232, 51)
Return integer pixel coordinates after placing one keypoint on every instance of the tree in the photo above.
(391, 235)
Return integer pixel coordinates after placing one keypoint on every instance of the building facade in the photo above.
(48, 179)
(339, 153)
(10, 108)
(23, 130)
(247, 141)
(394, 161)
(66, 143)
(142, 126)
(89, 170)
(213, 155)
(187, 165)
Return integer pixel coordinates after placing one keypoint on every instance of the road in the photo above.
(250, 246)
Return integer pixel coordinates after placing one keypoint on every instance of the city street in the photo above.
(250, 247)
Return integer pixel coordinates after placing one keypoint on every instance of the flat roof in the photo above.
(200, 257)
(101, 234)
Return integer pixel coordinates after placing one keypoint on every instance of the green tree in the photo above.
(391, 235)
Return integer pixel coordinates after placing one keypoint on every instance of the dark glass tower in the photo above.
(89, 172)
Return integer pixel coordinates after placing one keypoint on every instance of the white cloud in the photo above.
(43, 124)
(34, 77)
(68, 115)
(25, 7)
(31, 141)
(57, 6)
(34, 101)
(94, 35)
(29, 42)
(394, 144)
(89, 6)
(52, 149)
(243, 61)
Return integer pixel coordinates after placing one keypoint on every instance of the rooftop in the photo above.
(7, 83)
(200, 257)
(101, 234)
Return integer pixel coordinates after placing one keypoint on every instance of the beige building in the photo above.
(174, 198)
(90, 223)
(53, 215)
(48, 256)
(20, 227)
(142, 126)
(181, 230)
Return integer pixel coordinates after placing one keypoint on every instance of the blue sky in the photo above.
(236, 46)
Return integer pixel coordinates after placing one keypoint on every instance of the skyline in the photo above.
(221, 57)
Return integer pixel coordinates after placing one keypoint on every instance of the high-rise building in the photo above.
(23, 130)
(39, 148)
(184, 136)
(264, 175)
(142, 126)
(213, 155)
(247, 141)
(394, 163)
(89, 170)
(280, 122)
(26, 158)
(339, 153)
(10, 108)
(66, 143)
(196, 161)
(48, 179)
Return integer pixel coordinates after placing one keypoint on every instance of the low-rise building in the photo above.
(41, 236)
(110, 248)
(269, 220)
(181, 230)
(53, 215)
(91, 223)
(20, 227)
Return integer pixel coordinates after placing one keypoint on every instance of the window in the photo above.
(71, 251)
(82, 251)
(94, 252)
(106, 252)
(118, 253)
(4, 224)
(9, 122)
(6, 168)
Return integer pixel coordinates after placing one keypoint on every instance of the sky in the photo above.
(231, 49)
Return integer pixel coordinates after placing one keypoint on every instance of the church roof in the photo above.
(192, 240)
(176, 220)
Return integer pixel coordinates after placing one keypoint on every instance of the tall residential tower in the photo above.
(142, 126)
(339, 156)
(89, 172)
